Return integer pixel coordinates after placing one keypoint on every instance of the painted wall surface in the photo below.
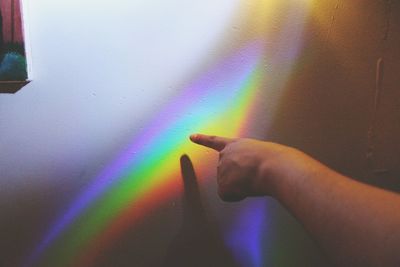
(91, 172)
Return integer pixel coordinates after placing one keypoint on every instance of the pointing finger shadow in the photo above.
(193, 210)
(198, 242)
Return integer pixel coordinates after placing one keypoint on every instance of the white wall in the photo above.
(99, 69)
(102, 70)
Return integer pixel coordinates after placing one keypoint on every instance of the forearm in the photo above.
(356, 224)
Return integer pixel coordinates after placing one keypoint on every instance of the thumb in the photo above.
(215, 142)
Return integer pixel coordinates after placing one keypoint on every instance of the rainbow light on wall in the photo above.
(131, 186)
(147, 173)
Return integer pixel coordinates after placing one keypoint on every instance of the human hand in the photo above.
(249, 167)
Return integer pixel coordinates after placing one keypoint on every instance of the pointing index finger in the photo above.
(215, 142)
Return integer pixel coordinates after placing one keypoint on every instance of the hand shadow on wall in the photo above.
(198, 242)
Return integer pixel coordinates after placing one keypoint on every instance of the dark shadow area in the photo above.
(198, 242)
(328, 104)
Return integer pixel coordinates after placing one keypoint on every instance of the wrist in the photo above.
(278, 172)
(267, 180)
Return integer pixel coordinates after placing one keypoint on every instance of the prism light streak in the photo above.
(131, 177)
(168, 185)
(250, 244)
(249, 234)
(147, 172)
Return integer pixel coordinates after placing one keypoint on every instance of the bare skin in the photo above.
(354, 223)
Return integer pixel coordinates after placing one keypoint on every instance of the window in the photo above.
(13, 62)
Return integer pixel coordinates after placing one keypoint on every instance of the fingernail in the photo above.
(193, 137)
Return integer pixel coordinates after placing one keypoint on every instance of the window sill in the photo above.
(11, 87)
